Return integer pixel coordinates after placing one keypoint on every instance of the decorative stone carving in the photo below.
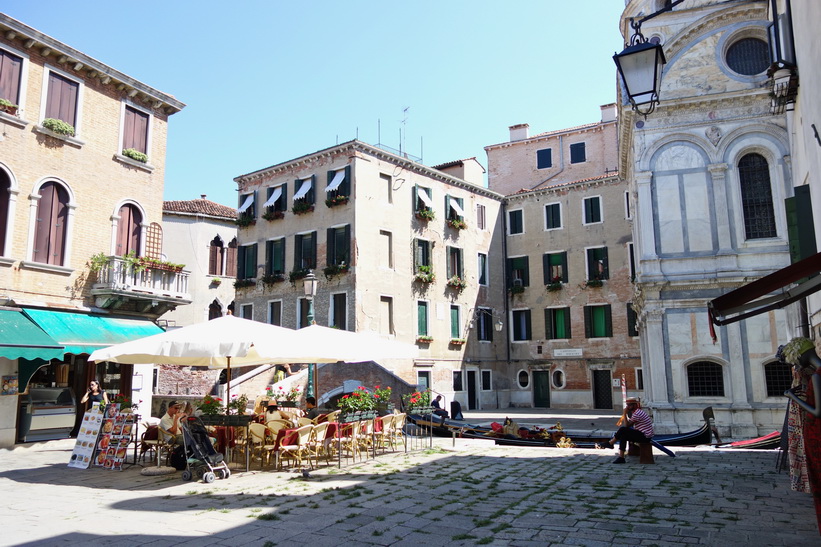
(713, 134)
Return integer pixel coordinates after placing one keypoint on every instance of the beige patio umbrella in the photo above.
(218, 344)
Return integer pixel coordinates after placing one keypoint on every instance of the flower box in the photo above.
(8, 107)
(335, 269)
(457, 223)
(271, 279)
(555, 286)
(336, 200)
(457, 283)
(243, 283)
(595, 283)
(425, 274)
(58, 126)
(425, 214)
(273, 215)
(516, 289)
(424, 339)
(296, 275)
(457, 341)
(302, 207)
(245, 220)
(135, 155)
(287, 404)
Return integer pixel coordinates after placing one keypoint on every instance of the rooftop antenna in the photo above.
(404, 133)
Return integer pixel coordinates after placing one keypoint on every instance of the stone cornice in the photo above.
(353, 149)
(579, 185)
(14, 30)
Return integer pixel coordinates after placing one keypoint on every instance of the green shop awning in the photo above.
(20, 338)
(84, 333)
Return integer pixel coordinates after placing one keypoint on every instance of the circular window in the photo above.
(524, 379)
(749, 56)
(558, 378)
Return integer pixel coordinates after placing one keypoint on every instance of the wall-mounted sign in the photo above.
(570, 352)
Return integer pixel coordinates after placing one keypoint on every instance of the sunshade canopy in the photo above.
(21, 338)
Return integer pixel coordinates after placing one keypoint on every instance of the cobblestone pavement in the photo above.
(468, 493)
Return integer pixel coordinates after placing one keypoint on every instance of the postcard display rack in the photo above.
(104, 438)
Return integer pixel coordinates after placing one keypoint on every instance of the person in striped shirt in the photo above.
(635, 426)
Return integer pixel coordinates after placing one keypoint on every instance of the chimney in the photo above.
(202, 196)
(608, 113)
(518, 132)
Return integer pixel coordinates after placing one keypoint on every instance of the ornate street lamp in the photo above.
(640, 66)
(309, 284)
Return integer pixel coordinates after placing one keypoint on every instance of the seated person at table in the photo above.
(273, 413)
(311, 411)
(170, 422)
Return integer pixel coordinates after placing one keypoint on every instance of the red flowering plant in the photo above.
(382, 394)
(417, 399)
(361, 399)
(210, 406)
(124, 401)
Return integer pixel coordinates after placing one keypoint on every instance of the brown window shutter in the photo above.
(10, 66)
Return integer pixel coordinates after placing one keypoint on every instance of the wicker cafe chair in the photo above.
(296, 451)
(159, 440)
(261, 443)
(318, 443)
(383, 436)
(398, 430)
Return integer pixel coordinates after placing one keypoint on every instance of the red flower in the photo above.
(376, 387)
(376, 396)
(344, 396)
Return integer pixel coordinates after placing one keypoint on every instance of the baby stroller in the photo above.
(202, 459)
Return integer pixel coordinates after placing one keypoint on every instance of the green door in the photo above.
(541, 389)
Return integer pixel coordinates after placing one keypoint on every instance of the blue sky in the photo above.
(268, 81)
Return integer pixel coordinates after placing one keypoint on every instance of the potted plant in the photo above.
(457, 341)
(243, 283)
(516, 289)
(238, 404)
(594, 283)
(98, 261)
(244, 220)
(272, 214)
(216, 281)
(336, 200)
(417, 401)
(335, 269)
(424, 339)
(425, 274)
(302, 207)
(58, 126)
(425, 213)
(135, 155)
(289, 397)
(8, 107)
(133, 262)
(210, 406)
(457, 283)
(457, 223)
(296, 275)
(125, 402)
(382, 398)
(555, 284)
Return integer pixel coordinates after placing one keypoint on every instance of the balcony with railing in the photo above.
(147, 287)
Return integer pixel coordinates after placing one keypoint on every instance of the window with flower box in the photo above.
(554, 266)
(518, 271)
(339, 245)
(276, 202)
(63, 99)
(304, 192)
(247, 211)
(597, 263)
(11, 77)
(247, 261)
(421, 318)
(422, 199)
(455, 263)
(339, 311)
(136, 131)
(455, 322)
(305, 251)
(339, 185)
(454, 209)
(275, 257)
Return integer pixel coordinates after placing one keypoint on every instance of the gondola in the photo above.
(538, 437)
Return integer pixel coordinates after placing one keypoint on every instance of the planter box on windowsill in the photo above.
(14, 120)
(424, 339)
(457, 341)
(125, 160)
(74, 141)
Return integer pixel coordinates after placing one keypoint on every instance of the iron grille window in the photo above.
(778, 377)
(705, 379)
(749, 56)
(756, 197)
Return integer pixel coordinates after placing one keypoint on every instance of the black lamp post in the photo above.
(640, 66)
(309, 284)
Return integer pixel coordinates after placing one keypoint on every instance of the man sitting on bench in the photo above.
(635, 426)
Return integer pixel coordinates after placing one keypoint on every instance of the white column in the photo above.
(718, 174)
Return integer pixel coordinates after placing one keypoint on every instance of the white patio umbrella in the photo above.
(219, 343)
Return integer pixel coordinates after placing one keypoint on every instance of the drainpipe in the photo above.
(507, 305)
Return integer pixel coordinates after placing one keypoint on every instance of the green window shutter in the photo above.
(416, 205)
(563, 262)
(525, 271)
(448, 213)
(596, 209)
(330, 247)
(298, 252)
(313, 249)
(588, 322)
(241, 263)
(422, 318)
(549, 332)
(509, 272)
(546, 268)
(347, 254)
(283, 199)
(278, 260)
(347, 185)
(450, 272)
(454, 322)
(607, 320)
(269, 257)
(461, 264)
(330, 178)
(564, 329)
(528, 332)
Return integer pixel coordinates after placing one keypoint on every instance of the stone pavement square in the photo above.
(467, 492)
